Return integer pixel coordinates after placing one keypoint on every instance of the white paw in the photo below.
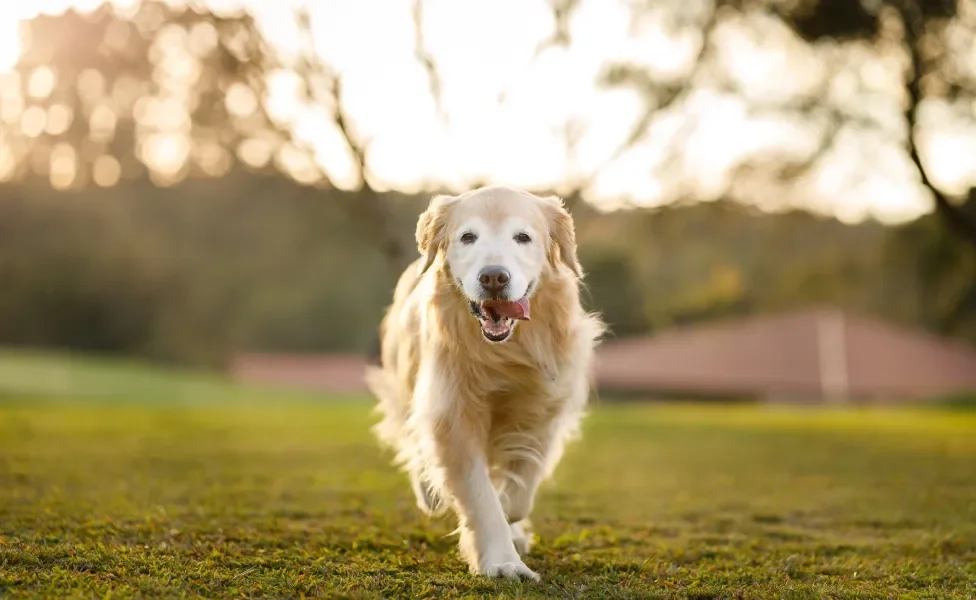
(498, 558)
(510, 570)
(521, 537)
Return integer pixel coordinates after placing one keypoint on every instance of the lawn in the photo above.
(254, 493)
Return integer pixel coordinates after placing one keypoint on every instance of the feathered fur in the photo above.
(460, 412)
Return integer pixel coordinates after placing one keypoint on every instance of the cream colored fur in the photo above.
(479, 425)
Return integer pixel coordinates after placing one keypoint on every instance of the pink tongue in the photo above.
(511, 310)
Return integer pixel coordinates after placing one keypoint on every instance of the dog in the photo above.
(485, 363)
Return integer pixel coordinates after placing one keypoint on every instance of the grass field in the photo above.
(108, 490)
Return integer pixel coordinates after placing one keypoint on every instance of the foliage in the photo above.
(200, 270)
(96, 96)
(163, 92)
(863, 80)
(942, 271)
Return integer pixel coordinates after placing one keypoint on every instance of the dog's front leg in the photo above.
(459, 453)
(486, 539)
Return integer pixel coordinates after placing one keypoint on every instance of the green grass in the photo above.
(261, 494)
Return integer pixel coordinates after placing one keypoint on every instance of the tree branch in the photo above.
(812, 106)
(426, 59)
(370, 208)
(913, 24)
(562, 13)
(661, 97)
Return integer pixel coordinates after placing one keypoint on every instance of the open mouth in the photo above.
(498, 317)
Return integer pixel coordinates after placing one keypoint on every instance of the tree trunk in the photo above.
(955, 218)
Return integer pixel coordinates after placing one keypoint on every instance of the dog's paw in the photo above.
(510, 570)
(496, 559)
(521, 537)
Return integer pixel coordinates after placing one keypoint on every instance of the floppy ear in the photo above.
(430, 229)
(562, 235)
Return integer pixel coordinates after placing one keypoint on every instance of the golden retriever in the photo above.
(485, 354)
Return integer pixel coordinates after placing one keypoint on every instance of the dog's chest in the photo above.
(518, 373)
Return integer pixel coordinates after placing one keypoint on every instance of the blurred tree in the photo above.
(926, 44)
(161, 93)
(199, 270)
(938, 37)
(614, 289)
(89, 287)
(941, 277)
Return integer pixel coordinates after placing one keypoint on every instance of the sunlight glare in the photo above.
(10, 42)
(506, 106)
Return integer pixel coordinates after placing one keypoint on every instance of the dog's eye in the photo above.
(468, 238)
(522, 238)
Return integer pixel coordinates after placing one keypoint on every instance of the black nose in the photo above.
(494, 278)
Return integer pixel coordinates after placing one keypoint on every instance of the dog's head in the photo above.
(499, 244)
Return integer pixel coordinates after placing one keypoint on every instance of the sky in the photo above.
(483, 48)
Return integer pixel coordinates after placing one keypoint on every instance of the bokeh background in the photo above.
(233, 185)
(204, 207)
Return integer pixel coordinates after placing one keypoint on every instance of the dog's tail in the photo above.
(383, 385)
(393, 434)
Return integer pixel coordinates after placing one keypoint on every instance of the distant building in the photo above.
(326, 373)
(813, 355)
